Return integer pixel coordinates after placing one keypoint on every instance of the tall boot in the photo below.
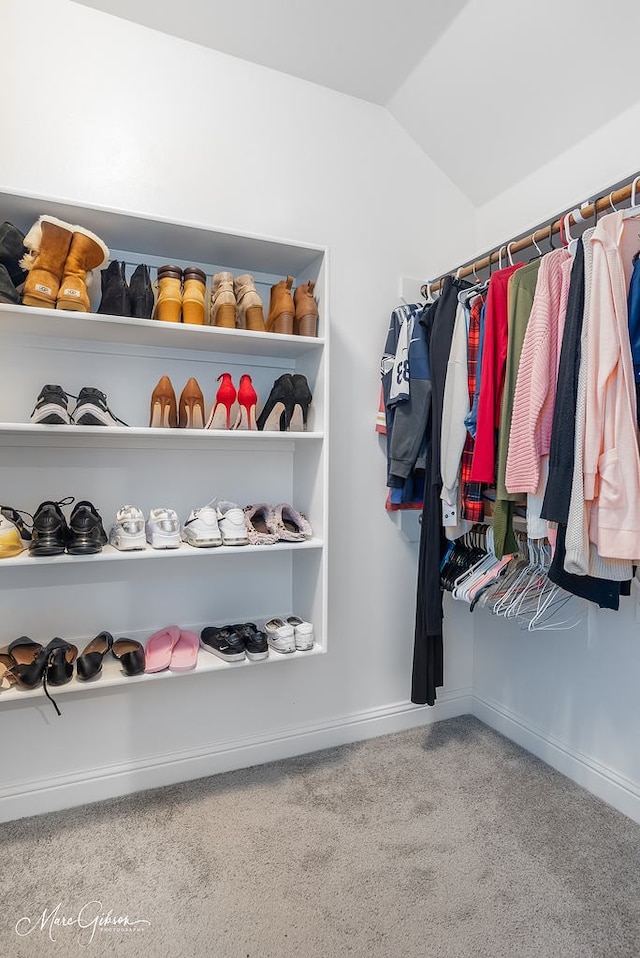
(193, 296)
(306, 321)
(86, 253)
(169, 302)
(250, 314)
(223, 301)
(48, 242)
(115, 299)
(281, 308)
(11, 249)
(141, 293)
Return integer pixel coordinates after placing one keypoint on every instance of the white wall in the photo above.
(571, 697)
(112, 114)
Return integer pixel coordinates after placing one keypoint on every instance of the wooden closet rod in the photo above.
(606, 202)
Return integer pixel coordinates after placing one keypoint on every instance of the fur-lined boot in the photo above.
(48, 243)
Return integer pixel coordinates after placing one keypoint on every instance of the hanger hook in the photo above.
(567, 231)
(500, 257)
(551, 246)
(533, 240)
(475, 275)
(509, 245)
(611, 204)
(633, 191)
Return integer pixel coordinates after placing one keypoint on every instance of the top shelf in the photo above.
(91, 327)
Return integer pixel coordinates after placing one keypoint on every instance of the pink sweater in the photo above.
(535, 394)
(611, 461)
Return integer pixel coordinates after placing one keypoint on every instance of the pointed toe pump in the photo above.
(89, 663)
(220, 417)
(247, 399)
(301, 401)
(164, 409)
(191, 406)
(278, 409)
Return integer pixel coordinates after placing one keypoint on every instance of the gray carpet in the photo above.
(447, 841)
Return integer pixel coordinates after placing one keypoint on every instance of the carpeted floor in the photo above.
(447, 841)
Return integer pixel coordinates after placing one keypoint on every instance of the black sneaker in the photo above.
(50, 530)
(52, 407)
(223, 642)
(86, 532)
(255, 641)
(92, 410)
(15, 516)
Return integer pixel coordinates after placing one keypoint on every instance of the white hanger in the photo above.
(611, 202)
(572, 243)
(509, 245)
(500, 257)
(633, 209)
(533, 240)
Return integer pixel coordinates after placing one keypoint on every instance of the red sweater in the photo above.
(494, 357)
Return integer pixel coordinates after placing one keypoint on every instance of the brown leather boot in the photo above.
(250, 314)
(193, 296)
(168, 308)
(281, 308)
(48, 243)
(306, 323)
(86, 253)
(223, 301)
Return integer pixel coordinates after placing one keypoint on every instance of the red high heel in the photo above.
(247, 399)
(225, 398)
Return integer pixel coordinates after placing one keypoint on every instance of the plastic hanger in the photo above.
(540, 253)
(572, 243)
(633, 209)
(550, 237)
(510, 257)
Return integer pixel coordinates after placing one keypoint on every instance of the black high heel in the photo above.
(301, 398)
(90, 661)
(278, 408)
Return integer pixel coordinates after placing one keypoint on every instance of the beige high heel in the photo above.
(191, 406)
(164, 409)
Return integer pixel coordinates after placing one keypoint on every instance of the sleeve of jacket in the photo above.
(454, 410)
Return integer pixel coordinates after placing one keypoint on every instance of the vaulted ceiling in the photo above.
(491, 90)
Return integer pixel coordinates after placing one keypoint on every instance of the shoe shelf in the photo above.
(113, 679)
(104, 437)
(117, 330)
(184, 551)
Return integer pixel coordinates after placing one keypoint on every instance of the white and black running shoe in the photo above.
(92, 410)
(52, 407)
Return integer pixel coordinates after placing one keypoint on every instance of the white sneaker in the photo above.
(10, 542)
(303, 632)
(127, 532)
(280, 635)
(163, 529)
(231, 523)
(201, 528)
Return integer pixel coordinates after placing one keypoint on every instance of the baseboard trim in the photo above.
(20, 800)
(599, 779)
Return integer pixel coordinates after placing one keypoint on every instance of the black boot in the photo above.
(8, 292)
(11, 249)
(141, 293)
(115, 293)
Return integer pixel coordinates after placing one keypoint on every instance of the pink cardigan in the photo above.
(611, 461)
(534, 398)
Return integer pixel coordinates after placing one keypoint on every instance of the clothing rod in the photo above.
(602, 204)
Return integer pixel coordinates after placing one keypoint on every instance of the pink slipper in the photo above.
(157, 653)
(185, 652)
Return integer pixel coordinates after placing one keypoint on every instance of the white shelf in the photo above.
(184, 551)
(91, 327)
(37, 435)
(113, 678)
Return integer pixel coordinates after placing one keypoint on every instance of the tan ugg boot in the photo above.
(306, 322)
(223, 301)
(250, 314)
(86, 253)
(48, 243)
(281, 308)
(193, 296)
(168, 308)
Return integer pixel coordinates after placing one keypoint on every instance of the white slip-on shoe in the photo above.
(280, 635)
(231, 522)
(163, 529)
(127, 532)
(303, 632)
(201, 529)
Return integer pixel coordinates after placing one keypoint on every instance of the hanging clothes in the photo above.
(471, 492)
(455, 408)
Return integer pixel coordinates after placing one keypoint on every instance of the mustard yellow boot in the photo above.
(250, 314)
(193, 296)
(48, 243)
(223, 301)
(86, 253)
(168, 308)
(306, 322)
(281, 308)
